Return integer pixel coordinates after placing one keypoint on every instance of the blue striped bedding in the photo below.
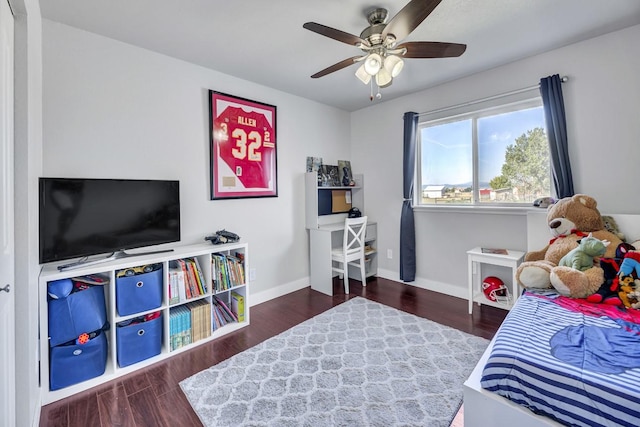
(568, 361)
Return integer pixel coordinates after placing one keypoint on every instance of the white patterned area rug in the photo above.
(360, 363)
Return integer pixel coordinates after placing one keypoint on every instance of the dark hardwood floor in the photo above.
(152, 396)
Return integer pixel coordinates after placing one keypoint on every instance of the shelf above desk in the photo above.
(312, 217)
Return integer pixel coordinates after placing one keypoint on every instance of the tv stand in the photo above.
(112, 256)
(218, 286)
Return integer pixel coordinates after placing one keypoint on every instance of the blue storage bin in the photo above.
(138, 293)
(71, 364)
(80, 312)
(139, 341)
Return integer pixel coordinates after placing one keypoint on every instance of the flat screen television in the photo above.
(84, 217)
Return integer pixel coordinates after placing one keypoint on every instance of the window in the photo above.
(497, 156)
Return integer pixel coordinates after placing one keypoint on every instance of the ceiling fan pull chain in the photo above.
(371, 93)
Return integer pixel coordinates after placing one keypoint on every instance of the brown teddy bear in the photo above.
(569, 220)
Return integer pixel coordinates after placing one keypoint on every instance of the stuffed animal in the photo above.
(630, 264)
(581, 258)
(569, 220)
(611, 225)
(628, 274)
(628, 293)
(609, 291)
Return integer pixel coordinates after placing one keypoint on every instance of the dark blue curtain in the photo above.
(551, 91)
(407, 225)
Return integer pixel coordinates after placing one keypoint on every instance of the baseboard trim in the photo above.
(278, 291)
(430, 285)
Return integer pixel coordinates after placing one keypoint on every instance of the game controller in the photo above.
(223, 236)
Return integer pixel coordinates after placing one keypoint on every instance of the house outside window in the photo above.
(496, 155)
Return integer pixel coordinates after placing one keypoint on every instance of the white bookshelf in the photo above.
(203, 253)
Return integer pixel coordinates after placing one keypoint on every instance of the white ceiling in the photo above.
(263, 41)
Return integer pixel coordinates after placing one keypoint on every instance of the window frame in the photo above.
(474, 111)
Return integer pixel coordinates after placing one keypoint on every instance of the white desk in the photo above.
(321, 241)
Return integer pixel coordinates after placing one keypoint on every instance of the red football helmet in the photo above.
(495, 290)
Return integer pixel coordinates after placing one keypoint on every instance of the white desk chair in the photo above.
(352, 250)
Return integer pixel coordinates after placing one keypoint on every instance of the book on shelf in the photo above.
(190, 323)
(195, 322)
(200, 277)
(227, 271)
(219, 318)
(240, 265)
(215, 321)
(174, 296)
(237, 306)
(226, 312)
(218, 264)
(191, 278)
(179, 327)
(196, 277)
(176, 284)
(497, 251)
(185, 280)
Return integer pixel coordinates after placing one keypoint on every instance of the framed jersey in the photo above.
(243, 148)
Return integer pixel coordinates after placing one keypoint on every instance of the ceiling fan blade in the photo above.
(335, 67)
(332, 33)
(432, 49)
(409, 18)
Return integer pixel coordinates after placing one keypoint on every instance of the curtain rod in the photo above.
(563, 79)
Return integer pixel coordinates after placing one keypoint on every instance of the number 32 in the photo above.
(243, 151)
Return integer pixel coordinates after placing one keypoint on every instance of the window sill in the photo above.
(492, 210)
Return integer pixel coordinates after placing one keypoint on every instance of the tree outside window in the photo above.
(498, 156)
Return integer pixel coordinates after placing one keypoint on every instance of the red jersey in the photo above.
(246, 145)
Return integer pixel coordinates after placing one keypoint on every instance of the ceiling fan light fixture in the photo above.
(373, 64)
(363, 75)
(393, 64)
(381, 57)
(383, 78)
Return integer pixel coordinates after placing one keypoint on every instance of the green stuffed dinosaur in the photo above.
(581, 258)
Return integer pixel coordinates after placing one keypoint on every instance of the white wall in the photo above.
(115, 110)
(601, 102)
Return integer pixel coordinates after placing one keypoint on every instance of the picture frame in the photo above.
(328, 176)
(314, 164)
(345, 174)
(243, 147)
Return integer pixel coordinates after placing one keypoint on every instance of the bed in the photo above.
(532, 372)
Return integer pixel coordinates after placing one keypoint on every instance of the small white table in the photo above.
(475, 258)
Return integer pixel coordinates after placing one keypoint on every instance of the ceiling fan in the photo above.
(382, 57)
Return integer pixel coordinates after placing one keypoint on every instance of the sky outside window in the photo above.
(447, 154)
(447, 148)
(495, 133)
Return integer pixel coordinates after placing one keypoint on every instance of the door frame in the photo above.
(7, 248)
